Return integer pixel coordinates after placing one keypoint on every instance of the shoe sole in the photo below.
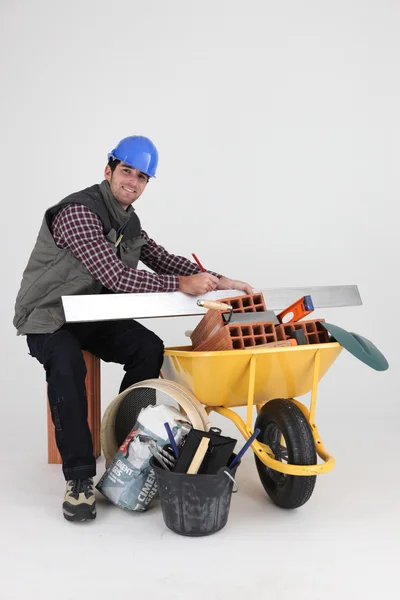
(80, 513)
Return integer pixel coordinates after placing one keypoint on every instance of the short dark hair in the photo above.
(113, 163)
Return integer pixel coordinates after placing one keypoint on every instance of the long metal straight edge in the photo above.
(101, 307)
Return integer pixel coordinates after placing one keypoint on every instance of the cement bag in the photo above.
(129, 480)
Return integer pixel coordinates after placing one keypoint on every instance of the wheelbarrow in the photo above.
(270, 379)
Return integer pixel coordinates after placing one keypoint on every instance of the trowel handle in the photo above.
(214, 304)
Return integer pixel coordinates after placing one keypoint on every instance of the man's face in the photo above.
(126, 183)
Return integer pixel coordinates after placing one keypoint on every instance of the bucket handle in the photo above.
(236, 485)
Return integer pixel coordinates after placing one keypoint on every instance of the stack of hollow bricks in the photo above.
(212, 333)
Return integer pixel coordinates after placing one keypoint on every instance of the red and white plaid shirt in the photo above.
(76, 227)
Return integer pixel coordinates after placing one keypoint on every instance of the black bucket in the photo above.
(195, 505)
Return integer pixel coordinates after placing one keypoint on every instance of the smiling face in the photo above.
(126, 183)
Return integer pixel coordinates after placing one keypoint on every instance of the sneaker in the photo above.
(79, 501)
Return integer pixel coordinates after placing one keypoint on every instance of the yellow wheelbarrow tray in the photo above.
(226, 379)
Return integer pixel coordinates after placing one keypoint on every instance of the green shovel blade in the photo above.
(358, 346)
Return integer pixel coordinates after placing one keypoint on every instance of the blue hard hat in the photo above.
(138, 152)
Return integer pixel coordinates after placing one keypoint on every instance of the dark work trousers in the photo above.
(126, 342)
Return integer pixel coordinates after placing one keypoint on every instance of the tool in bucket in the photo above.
(164, 458)
(247, 445)
(160, 458)
(217, 454)
(171, 439)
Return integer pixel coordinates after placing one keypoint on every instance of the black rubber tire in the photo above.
(283, 416)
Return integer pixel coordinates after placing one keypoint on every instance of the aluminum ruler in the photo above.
(104, 307)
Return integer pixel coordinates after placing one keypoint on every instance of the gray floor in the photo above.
(343, 543)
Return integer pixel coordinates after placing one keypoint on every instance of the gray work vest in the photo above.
(53, 272)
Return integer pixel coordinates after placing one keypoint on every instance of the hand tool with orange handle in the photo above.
(296, 311)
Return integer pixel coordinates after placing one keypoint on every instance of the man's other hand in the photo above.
(199, 284)
(224, 283)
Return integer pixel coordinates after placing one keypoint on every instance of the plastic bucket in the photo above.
(195, 505)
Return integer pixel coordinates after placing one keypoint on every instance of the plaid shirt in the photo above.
(76, 227)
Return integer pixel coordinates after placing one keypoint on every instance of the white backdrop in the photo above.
(278, 128)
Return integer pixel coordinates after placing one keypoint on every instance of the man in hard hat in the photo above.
(91, 243)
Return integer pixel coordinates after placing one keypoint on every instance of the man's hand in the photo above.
(199, 284)
(232, 284)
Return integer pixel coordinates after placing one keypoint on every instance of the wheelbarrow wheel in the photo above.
(286, 431)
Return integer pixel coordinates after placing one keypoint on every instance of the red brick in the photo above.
(209, 325)
(314, 331)
(213, 321)
(236, 337)
(247, 303)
